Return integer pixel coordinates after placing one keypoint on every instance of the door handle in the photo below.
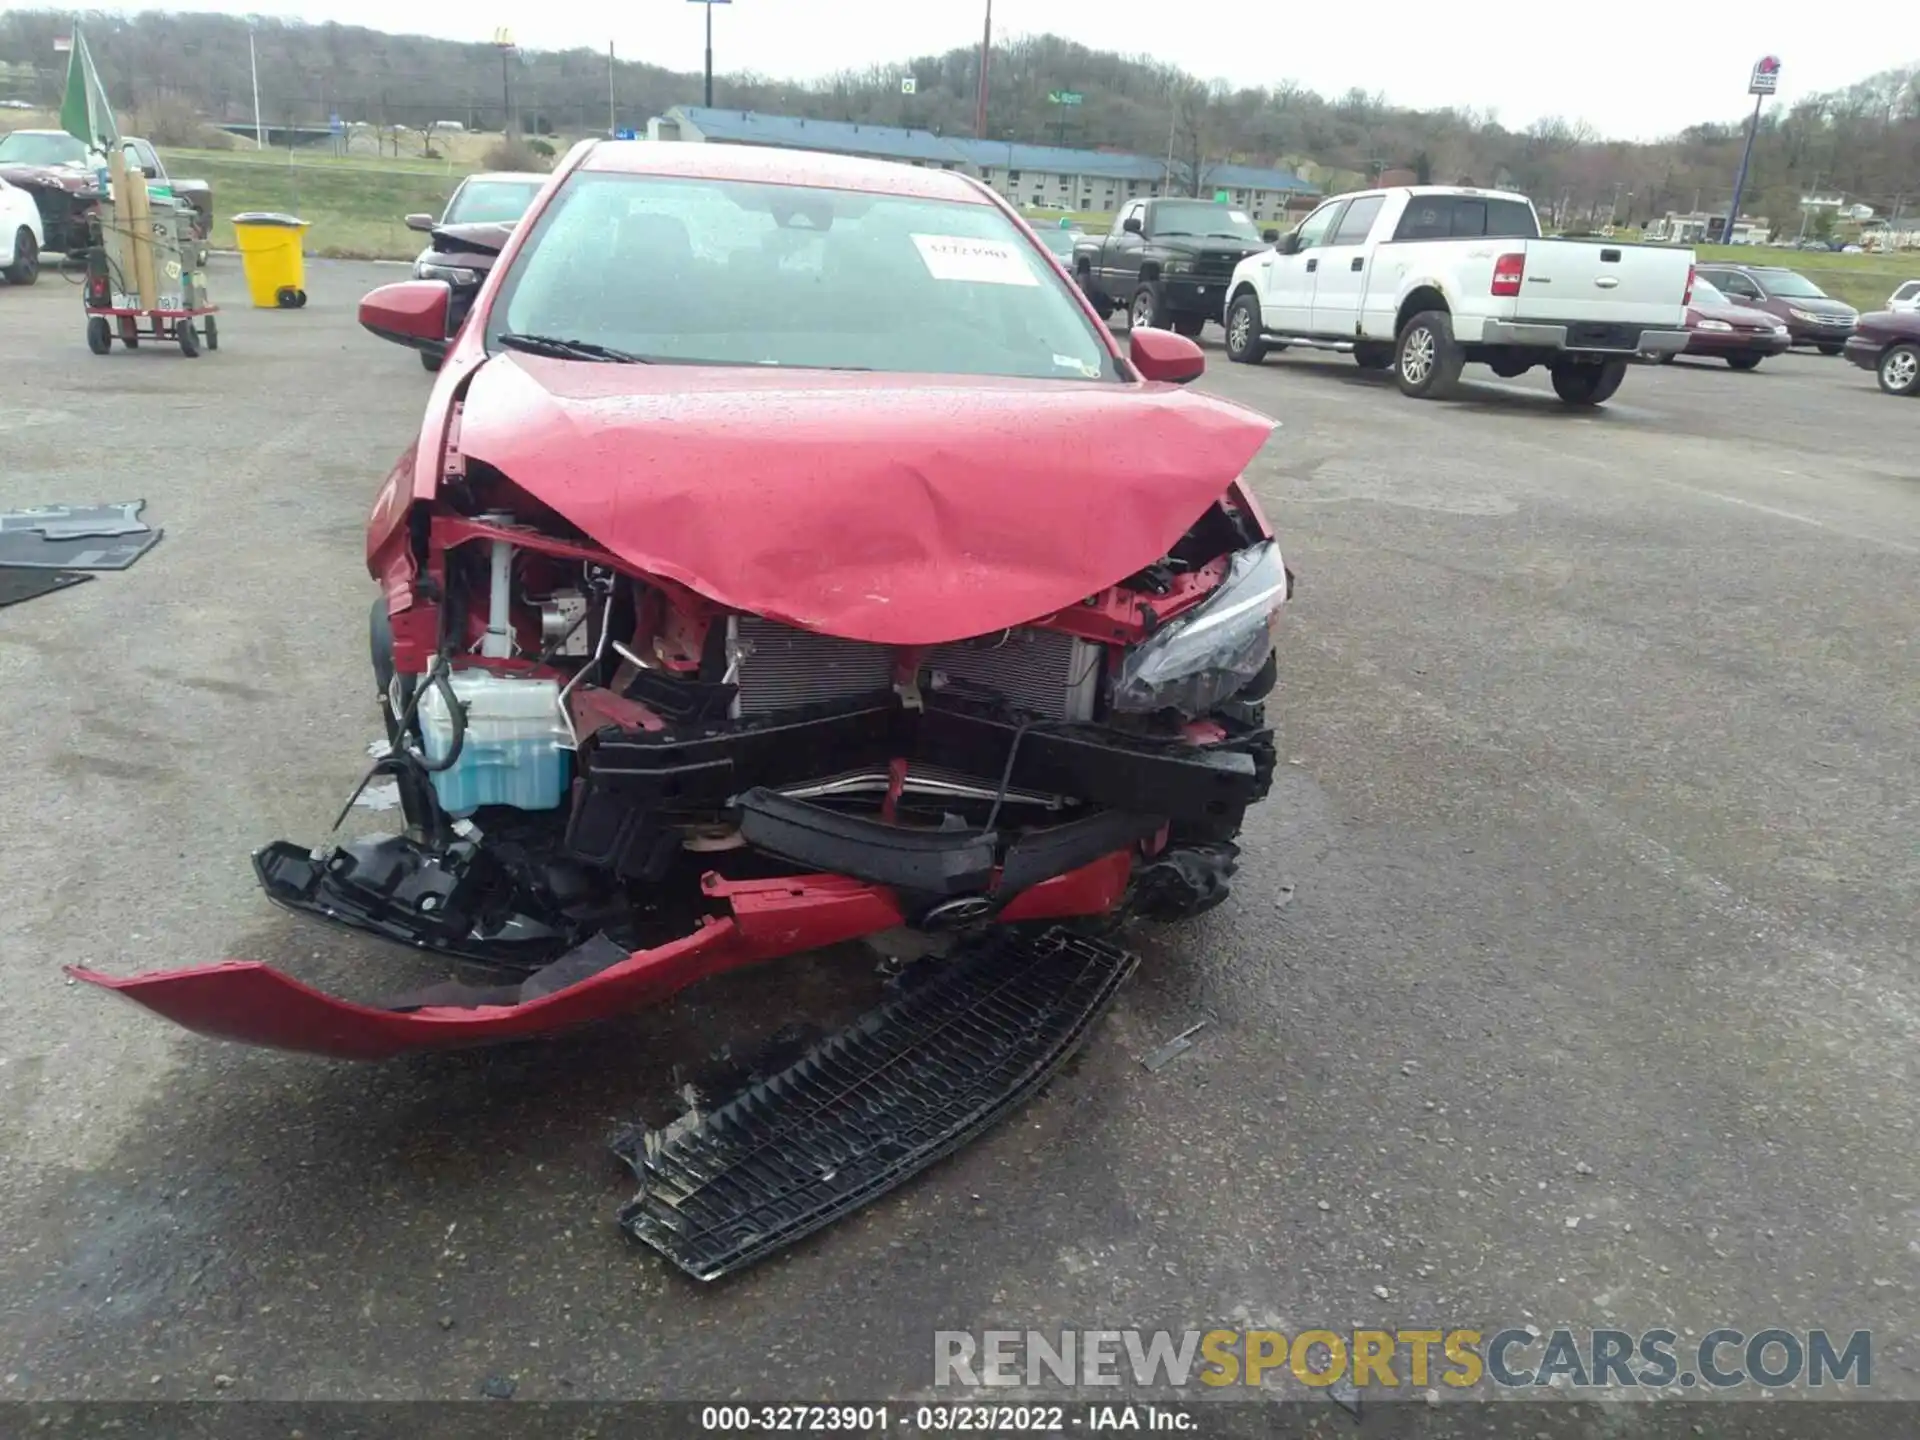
(1312, 265)
(1358, 261)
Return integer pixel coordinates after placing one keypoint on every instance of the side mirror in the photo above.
(409, 313)
(420, 222)
(1270, 236)
(1289, 243)
(1160, 355)
(1131, 225)
(152, 172)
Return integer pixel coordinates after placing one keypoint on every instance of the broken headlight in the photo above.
(1212, 651)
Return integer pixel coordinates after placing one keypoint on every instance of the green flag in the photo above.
(84, 111)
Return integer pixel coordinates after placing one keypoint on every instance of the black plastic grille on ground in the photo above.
(872, 1106)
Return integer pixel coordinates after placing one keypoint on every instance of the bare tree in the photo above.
(424, 129)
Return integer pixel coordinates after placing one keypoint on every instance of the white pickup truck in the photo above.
(1425, 279)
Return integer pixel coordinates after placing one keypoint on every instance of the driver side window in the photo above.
(1317, 229)
(1738, 286)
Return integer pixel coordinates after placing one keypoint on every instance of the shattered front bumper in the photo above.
(853, 876)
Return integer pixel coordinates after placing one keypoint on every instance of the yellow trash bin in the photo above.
(272, 255)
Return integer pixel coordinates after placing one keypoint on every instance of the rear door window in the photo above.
(1358, 220)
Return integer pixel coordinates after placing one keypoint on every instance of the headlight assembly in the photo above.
(1715, 325)
(1211, 652)
(452, 274)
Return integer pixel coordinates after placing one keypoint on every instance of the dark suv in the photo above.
(1812, 317)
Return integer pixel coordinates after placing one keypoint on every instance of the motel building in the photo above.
(1030, 177)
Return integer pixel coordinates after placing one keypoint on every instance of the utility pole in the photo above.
(980, 97)
(613, 122)
(709, 89)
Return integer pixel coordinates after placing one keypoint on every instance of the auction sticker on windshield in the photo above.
(984, 262)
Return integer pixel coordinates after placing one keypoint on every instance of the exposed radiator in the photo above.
(1040, 671)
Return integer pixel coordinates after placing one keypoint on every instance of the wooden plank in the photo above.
(143, 239)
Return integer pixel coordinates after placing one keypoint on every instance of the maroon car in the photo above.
(1887, 342)
(1812, 316)
(1738, 334)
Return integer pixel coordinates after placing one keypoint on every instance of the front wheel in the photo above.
(1588, 384)
(1831, 349)
(1899, 370)
(1244, 345)
(1744, 362)
(211, 333)
(189, 342)
(26, 259)
(1373, 356)
(1426, 359)
(429, 361)
(1149, 308)
(1189, 325)
(99, 337)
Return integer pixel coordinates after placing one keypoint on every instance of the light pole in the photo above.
(1765, 80)
(253, 64)
(613, 122)
(986, 59)
(708, 102)
(503, 42)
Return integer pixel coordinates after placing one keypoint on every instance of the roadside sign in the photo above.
(1064, 97)
(909, 85)
(62, 44)
(626, 134)
(1766, 76)
(1220, 197)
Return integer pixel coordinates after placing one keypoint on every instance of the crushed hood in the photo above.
(896, 509)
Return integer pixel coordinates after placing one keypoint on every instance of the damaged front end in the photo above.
(614, 787)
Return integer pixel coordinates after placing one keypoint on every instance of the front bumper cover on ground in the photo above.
(763, 920)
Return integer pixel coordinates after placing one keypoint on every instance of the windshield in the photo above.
(1789, 286)
(726, 273)
(1705, 294)
(1200, 217)
(1060, 242)
(491, 202)
(41, 148)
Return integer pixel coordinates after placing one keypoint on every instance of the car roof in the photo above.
(533, 175)
(768, 165)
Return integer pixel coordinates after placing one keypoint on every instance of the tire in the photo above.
(1102, 306)
(1373, 356)
(1831, 349)
(430, 362)
(210, 332)
(1189, 325)
(287, 298)
(26, 259)
(1667, 357)
(1244, 345)
(189, 342)
(1588, 384)
(1426, 361)
(1149, 308)
(99, 337)
(1899, 369)
(129, 332)
(299, 299)
(1744, 362)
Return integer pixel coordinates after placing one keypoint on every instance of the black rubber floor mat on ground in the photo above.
(24, 583)
(111, 552)
(870, 1107)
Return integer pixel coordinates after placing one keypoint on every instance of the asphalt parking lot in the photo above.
(1570, 978)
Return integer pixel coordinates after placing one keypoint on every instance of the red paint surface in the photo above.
(898, 509)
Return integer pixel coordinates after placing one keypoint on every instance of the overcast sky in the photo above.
(1633, 68)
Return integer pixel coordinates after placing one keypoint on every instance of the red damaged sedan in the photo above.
(788, 555)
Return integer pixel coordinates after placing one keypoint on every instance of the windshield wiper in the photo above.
(1162, 234)
(563, 349)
